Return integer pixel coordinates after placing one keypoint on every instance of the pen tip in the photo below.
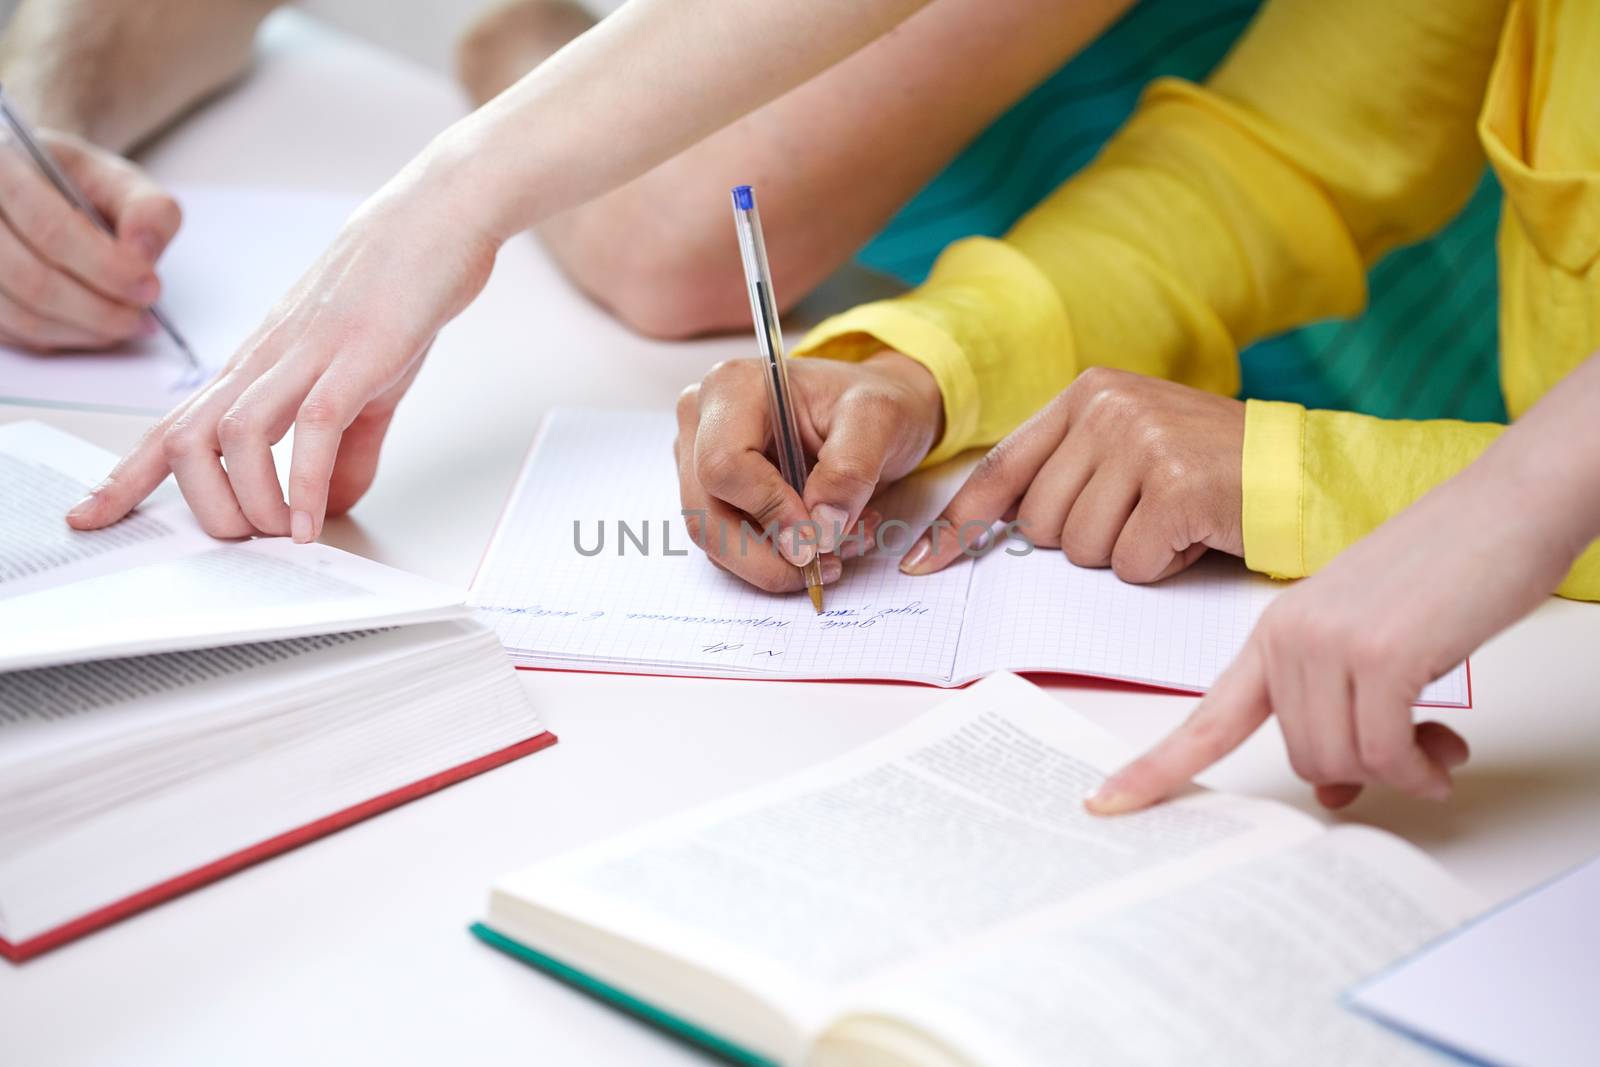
(816, 597)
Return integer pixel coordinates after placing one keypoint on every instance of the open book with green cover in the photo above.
(941, 897)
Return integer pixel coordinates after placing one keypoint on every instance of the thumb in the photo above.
(849, 465)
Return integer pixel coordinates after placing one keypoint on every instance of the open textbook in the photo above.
(565, 585)
(940, 897)
(238, 251)
(125, 782)
(155, 582)
(173, 708)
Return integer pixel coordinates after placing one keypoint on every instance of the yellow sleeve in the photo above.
(1315, 482)
(1218, 215)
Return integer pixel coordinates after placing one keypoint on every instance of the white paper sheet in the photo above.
(1519, 986)
(238, 252)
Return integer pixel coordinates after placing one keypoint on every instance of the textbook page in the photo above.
(967, 820)
(654, 601)
(238, 251)
(229, 593)
(43, 472)
(1244, 969)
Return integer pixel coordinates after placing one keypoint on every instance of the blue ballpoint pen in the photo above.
(74, 196)
(763, 306)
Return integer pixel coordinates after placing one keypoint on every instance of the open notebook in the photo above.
(664, 608)
(237, 252)
(941, 897)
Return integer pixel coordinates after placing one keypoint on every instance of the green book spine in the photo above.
(681, 1029)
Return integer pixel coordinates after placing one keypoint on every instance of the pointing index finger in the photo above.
(1231, 712)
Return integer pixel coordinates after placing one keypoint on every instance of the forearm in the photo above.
(114, 71)
(1546, 466)
(647, 82)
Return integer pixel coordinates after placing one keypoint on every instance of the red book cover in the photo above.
(221, 868)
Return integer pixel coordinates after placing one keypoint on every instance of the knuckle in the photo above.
(995, 463)
(1039, 533)
(1100, 392)
(306, 485)
(181, 441)
(717, 469)
(689, 403)
(729, 372)
(768, 503)
(852, 473)
(236, 427)
(1370, 652)
(1084, 548)
(320, 412)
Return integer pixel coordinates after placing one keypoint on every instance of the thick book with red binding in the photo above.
(246, 857)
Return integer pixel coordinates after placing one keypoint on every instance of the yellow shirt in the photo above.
(1226, 213)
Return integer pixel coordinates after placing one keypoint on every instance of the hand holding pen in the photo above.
(769, 338)
(867, 423)
(80, 232)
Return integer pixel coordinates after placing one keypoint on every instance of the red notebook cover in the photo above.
(221, 868)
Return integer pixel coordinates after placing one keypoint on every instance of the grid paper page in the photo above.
(554, 606)
(1038, 612)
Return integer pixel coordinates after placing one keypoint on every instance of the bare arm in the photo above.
(116, 71)
(334, 357)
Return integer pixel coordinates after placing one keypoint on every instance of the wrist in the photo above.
(458, 177)
(919, 385)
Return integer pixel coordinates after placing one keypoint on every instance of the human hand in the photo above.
(64, 284)
(332, 360)
(1342, 657)
(866, 423)
(1136, 473)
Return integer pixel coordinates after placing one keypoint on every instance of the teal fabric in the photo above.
(1427, 345)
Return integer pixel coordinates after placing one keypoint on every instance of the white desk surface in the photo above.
(354, 949)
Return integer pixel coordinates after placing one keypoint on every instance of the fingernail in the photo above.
(148, 326)
(82, 508)
(1109, 799)
(832, 568)
(830, 526)
(145, 290)
(917, 560)
(149, 245)
(1441, 793)
(300, 526)
(795, 546)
